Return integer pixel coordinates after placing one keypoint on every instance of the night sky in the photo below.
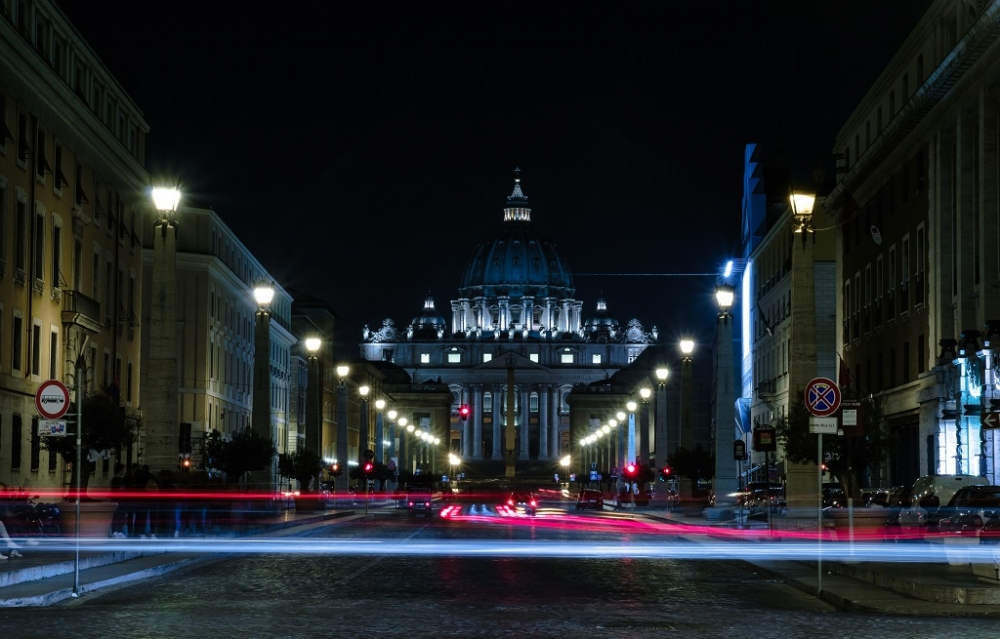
(362, 150)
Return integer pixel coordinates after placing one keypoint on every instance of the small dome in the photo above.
(429, 319)
(601, 327)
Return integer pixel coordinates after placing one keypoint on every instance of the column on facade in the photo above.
(564, 316)
(547, 314)
(554, 420)
(503, 311)
(477, 422)
(497, 422)
(988, 131)
(525, 413)
(467, 425)
(527, 313)
(543, 422)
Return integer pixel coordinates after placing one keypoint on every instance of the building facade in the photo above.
(217, 318)
(515, 318)
(918, 270)
(73, 192)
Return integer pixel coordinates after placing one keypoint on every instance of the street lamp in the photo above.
(161, 420)
(725, 482)
(660, 414)
(364, 427)
(631, 406)
(343, 482)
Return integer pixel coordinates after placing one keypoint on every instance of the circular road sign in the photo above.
(52, 399)
(822, 397)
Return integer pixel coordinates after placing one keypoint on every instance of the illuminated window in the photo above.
(454, 358)
(425, 358)
(533, 357)
(596, 358)
(566, 358)
(487, 402)
(487, 357)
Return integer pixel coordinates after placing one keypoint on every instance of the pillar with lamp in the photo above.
(260, 417)
(314, 402)
(343, 482)
(664, 446)
(802, 491)
(725, 483)
(161, 414)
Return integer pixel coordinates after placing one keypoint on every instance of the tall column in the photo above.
(645, 428)
(663, 440)
(685, 433)
(161, 414)
(343, 482)
(477, 422)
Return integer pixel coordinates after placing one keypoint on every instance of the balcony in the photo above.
(82, 311)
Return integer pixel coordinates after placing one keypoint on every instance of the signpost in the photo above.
(822, 400)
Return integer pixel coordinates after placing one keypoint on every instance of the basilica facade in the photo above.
(516, 318)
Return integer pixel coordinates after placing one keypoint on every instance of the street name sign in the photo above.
(823, 425)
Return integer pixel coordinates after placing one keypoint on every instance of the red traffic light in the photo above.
(464, 411)
(666, 470)
(630, 469)
(369, 467)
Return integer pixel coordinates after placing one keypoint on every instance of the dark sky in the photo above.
(362, 150)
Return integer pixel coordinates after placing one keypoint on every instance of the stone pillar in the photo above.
(497, 422)
(161, 414)
(525, 424)
(554, 421)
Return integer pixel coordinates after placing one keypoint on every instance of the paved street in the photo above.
(310, 595)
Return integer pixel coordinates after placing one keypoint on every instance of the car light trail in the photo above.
(583, 549)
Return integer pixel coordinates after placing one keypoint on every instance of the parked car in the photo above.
(759, 496)
(925, 497)
(589, 498)
(420, 499)
(833, 495)
(967, 512)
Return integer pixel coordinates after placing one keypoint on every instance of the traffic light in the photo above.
(368, 468)
(631, 470)
(665, 473)
(464, 411)
(335, 469)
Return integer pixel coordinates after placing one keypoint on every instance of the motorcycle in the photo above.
(34, 518)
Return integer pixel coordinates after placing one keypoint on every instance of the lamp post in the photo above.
(314, 417)
(343, 482)
(564, 463)
(660, 414)
(725, 482)
(260, 418)
(410, 448)
(631, 406)
(160, 394)
(364, 427)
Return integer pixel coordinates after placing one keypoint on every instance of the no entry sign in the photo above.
(52, 399)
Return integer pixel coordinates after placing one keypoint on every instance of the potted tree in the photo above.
(304, 466)
(234, 457)
(106, 428)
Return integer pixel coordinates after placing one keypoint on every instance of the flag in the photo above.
(763, 319)
(844, 378)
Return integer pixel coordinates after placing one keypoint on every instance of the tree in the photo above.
(304, 465)
(849, 459)
(244, 452)
(106, 427)
(692, 464)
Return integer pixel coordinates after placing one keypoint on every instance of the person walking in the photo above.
(11, 546)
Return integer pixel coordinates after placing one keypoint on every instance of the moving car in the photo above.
(419, 499)
(523, 499)
(926, 495)
(590, 498)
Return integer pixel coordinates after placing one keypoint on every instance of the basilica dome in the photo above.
(602, 326)
(517, 261)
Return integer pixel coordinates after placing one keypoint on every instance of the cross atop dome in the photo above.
(517, 203)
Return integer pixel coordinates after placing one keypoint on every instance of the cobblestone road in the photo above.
(270, 595)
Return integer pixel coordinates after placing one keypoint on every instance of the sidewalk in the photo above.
(47, 572)
(914, 589)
